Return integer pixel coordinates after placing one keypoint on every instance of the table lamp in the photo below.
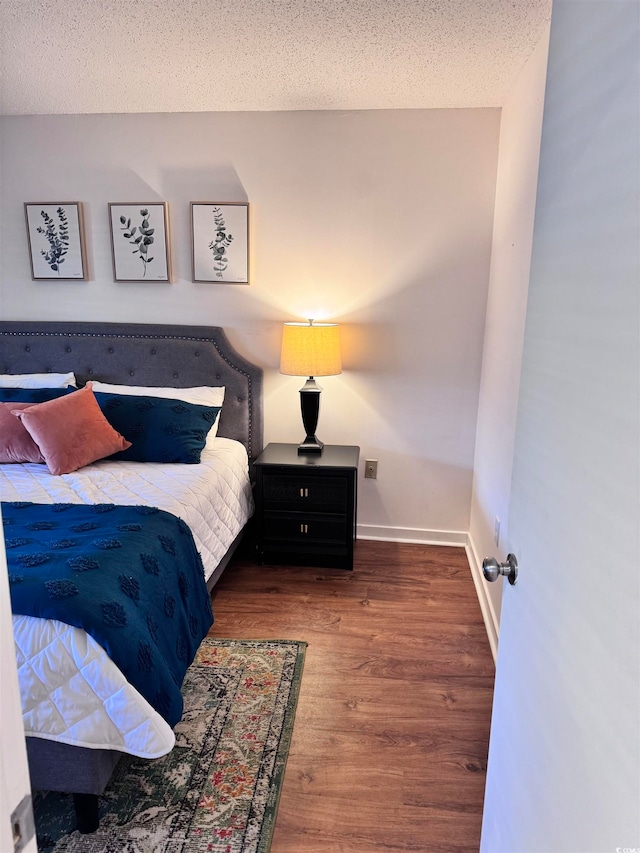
(310, 349)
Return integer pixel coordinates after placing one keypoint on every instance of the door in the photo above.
(14, 772)
(564, 757)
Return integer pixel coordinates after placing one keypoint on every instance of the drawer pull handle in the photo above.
(304, 528)
(304, 493)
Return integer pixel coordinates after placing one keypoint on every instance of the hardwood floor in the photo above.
(391, 735)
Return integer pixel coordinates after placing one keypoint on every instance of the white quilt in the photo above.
(71, 691)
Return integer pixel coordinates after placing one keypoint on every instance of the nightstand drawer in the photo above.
(303, 529)
(298, 492)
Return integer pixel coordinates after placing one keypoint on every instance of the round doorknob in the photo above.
(492, 569)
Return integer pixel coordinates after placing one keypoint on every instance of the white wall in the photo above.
(519, 151)
(380, 220)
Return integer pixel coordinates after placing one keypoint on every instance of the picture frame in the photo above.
(140, 225)
(220, 242)
(55, 235)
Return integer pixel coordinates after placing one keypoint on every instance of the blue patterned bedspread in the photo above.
(131, 576)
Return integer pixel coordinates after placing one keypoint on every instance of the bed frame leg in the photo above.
(86, 806)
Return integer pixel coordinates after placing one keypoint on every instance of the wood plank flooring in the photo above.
(391, 735)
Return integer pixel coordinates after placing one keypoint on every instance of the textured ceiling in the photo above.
(103, 56)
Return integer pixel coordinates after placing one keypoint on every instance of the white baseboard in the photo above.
(486, 605)
(457, 538)
(412, 535)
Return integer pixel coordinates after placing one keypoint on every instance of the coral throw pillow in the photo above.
(71, 431)
(16, 445)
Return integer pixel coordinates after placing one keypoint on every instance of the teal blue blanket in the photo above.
(130, 576)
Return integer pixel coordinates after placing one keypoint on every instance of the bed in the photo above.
(134, 355)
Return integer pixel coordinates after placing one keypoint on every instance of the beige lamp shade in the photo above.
(310, 349)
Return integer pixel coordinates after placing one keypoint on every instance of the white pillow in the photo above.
(203, 395)
(37, 380)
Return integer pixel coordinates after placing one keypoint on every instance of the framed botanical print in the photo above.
(220, 242)
(140, 241)
(55, 233)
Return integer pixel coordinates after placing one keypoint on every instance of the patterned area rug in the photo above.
(218, 790)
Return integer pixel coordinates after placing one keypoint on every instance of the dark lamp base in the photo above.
(310, 445)
(310, 406)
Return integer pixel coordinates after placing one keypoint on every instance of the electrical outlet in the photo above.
(371, 469)
(496, 530)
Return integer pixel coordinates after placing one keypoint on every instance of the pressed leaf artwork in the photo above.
(56, 240)
(141, 240)
(220, 242)
(57, 236)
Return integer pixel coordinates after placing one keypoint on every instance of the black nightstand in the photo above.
(306, 505)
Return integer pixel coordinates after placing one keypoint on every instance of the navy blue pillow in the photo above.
(160, 430)
(33, 395)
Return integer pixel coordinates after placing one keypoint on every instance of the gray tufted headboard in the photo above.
(141, 354)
